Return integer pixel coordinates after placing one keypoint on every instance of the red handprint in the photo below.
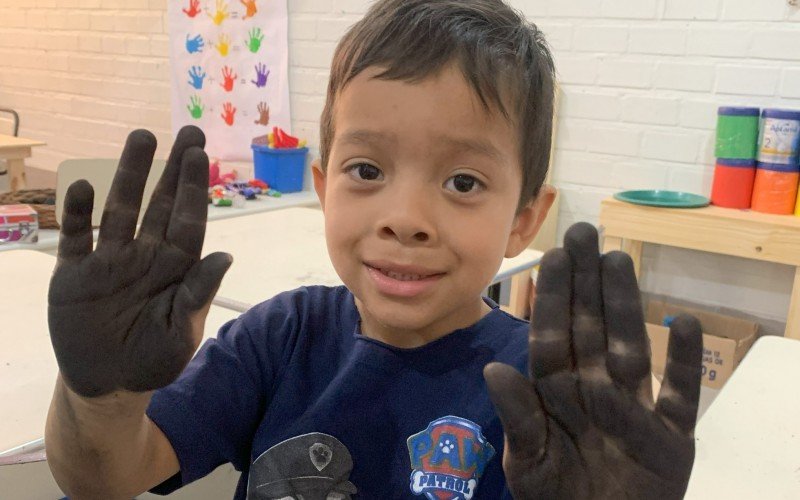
(251, 8)
(194, 8)
(229, 112)
(229, 76)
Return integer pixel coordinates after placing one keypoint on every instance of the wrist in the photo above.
(116, 404)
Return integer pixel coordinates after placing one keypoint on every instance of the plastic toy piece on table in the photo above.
(273, 193)
(258, 183)
(214, 177)
(221, 202)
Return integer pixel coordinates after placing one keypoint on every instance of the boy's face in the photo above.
(419, 195)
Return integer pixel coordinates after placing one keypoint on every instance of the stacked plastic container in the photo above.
(778, 172)
(736, 150)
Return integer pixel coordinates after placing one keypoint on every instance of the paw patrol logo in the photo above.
(448, 459)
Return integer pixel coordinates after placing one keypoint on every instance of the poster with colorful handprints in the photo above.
(229, 63)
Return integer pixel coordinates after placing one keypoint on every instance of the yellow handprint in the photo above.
(221, 14)
(223, 44)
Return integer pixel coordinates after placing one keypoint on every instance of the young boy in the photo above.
(435, 141)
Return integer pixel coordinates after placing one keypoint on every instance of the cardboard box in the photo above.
(18, 224)
(725, 340)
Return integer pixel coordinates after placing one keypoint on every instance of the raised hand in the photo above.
(196, 77)
(250, 5)
(129, 315)
(194, 44)
(221, 14)
(228, 114)
(196, 107)
(263, 114)
(194, 8)
(585, 425)
(262, 74)
(228, 79)
(254, 39)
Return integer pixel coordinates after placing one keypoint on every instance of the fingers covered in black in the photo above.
(628, 357)
(75, 240)
(187, 225)
(589, 342)
(201, 282)
(550, 348)
(156, 218)
(519, 410)
(121, 213)
(680, 391)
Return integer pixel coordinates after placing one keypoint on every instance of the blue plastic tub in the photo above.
(282, 169)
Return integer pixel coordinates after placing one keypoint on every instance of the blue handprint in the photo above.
(194, 44)
(262, 73)
(197, 76)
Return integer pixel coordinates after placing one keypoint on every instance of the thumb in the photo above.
(201, 282)
(520, 411)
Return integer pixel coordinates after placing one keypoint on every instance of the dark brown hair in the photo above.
(503, 57)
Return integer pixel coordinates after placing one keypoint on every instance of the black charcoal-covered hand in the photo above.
(129, 315)
(585, 424)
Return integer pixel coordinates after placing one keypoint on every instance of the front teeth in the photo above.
(402, 277)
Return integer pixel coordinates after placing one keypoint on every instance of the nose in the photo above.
(409, 217)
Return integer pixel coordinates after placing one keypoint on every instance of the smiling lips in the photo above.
(402, 281)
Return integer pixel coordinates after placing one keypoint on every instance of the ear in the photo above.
(529, 220)
(319, 181)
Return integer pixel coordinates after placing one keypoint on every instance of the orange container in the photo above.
(733, 183)
(775, 189)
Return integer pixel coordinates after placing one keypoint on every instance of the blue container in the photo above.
(282, 169)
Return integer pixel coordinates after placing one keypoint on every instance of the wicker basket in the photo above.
(41, 200)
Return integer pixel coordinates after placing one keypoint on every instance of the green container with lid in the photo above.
(737, 133)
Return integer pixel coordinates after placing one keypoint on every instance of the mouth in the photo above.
(402, 281)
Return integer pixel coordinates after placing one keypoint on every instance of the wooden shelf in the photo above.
(741, 233)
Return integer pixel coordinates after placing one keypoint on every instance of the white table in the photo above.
(14, 150)
(28, 366)
(285, 249)
(748, 442)
(48, 238)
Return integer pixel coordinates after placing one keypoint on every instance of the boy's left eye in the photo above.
(463, 183)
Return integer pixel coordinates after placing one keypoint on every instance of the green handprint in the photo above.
(254, 42)
(196, 108)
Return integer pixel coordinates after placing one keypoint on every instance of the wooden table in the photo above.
(285, 249)
(748, 442)
(14, 150)
(28, 366)
(741, 233)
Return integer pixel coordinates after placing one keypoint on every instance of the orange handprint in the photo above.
(194, 8)
(229, 112)
(263, 114)
(251, 8)
(221, 14)
(229, 78)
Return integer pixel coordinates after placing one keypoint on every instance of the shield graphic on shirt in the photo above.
(448, 459)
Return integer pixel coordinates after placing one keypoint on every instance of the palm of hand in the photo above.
(585, 425)
(121, 316)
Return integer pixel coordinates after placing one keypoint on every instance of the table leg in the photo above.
(16, 173)
(793, 318)
(519, 298)
(611, 243)
(634, 249)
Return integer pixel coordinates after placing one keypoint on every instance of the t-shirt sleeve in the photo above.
(211, 412)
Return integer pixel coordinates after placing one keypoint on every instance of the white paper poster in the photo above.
(229, 71)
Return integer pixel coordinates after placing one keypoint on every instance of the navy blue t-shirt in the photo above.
(306, 407)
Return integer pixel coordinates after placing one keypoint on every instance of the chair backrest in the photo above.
(14, 120)
(99, 172)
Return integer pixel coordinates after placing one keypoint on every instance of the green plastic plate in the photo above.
(659, 198)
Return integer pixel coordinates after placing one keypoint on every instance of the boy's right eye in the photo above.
(364, 172)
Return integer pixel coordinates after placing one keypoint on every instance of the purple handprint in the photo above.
(262, 73)
(194, 44)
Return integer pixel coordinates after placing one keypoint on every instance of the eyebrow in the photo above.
(479, 147)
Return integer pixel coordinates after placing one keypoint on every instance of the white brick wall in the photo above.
(641, 81)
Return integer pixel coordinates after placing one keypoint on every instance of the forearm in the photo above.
(101, 447)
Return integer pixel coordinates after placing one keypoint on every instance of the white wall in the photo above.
(641, 82)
